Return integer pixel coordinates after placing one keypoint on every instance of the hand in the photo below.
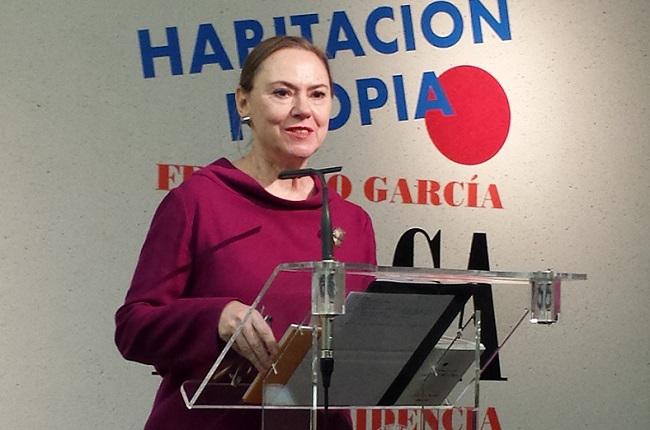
(256, 342)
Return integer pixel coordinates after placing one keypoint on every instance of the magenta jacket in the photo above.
(217, 238)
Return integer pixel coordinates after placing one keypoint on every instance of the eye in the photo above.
(319, 94)
(281, 92)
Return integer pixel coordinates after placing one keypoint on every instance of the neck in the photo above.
(266, 171)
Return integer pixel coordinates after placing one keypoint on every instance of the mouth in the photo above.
(299, 131)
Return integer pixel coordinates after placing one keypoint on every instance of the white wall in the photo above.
(81, 132)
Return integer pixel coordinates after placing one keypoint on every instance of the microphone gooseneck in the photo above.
(326, 353)
(327, 241)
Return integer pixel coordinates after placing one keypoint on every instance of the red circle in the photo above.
(479, 124)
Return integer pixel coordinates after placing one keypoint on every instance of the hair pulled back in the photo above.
(268, 47)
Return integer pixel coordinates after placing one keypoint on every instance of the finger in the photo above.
(244, 349)
(266, 336)
(257, 347)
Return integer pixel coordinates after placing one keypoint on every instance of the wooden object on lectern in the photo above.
(294, 345)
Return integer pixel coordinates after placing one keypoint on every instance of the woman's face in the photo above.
(289, 106)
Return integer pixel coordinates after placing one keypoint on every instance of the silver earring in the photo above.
(246, 120)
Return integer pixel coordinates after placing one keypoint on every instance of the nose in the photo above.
(301, 107)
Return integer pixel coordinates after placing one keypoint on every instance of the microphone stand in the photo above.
(328, 284)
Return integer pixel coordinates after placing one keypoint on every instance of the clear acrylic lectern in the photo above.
(399, 338)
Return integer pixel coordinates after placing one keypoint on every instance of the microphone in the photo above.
(327, 241)
(328, 283)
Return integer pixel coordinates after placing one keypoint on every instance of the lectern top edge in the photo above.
(420, 274)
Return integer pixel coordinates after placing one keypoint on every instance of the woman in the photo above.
(215, 239)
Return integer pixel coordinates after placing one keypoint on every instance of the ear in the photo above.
(241, 98)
